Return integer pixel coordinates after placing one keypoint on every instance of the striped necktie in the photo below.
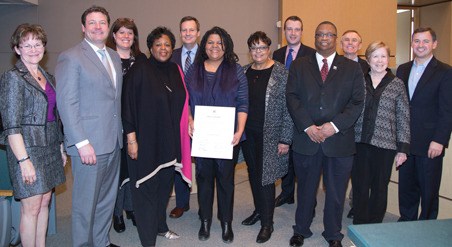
(187, 62)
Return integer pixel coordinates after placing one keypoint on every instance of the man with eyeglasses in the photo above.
(184, 57)
(351, 43)
(293, 29)
(325, 96)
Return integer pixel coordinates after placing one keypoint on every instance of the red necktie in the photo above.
(324, 70)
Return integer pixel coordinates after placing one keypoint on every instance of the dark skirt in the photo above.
(48, 165)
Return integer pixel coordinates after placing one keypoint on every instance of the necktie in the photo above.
(187, 62)
(289, 58)
(324, 70)
(106, 65)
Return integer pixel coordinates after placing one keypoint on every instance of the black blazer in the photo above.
(430, 106)
(280, 54)
(176, 57)
(340, 99)
(364, 65)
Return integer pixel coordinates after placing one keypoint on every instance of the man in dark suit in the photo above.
(429, 85)
(89, 101)
(351, 43)
(184, 57)
(325, 96)
(293, 29)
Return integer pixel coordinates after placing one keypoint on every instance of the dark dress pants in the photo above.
(182, 191)
(150, 201)
(124, 197)
(371, 172)
(288, 181)
(263, 196)
(221, 171)
(336, 172)
(419, 182)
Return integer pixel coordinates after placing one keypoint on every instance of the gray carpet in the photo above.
(188, 225)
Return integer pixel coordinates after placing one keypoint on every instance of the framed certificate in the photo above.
(213, 132)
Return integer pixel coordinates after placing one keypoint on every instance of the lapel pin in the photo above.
(334, 67)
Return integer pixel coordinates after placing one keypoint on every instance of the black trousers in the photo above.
(419, 182)
(371, 172)
(336, 173)
(150, 201)
(219, 172)
(263, 196)
(288, 181)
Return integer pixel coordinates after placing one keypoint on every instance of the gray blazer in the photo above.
(23, 106)
(278, 126)
(89, 104)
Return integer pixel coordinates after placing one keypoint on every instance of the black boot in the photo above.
(204, 230)
(227, 234)
(251, 220)
(264, 234)
(118, 224)
(130, 215)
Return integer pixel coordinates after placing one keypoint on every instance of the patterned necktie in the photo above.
(289, 58)
(187, 62)
(106, 65)
(324, 70)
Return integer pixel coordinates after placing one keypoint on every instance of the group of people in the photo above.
(128, 119)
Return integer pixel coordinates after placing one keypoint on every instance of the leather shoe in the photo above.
(178, 212)
(251, 220)
(264, 234)
(351, 214)
(226, 234)
(112, 245)
(335, 243)
(280, 200)
(118, 224)
(204, 231)
(130, 215)
(296, 240)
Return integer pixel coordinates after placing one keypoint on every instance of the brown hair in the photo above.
(24, 30)
(129, 24)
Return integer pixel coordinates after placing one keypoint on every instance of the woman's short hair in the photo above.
(23, 31)
(226, 40)
(129, 24)
(157, 33)
(375, 46)
(259, 36)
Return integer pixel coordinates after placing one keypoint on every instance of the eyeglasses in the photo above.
(258, 48)
(30, 47)
(325, 35)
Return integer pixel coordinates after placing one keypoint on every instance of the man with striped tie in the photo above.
(184, 57)
(293, 29)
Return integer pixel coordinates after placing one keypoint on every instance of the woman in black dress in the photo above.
(123, 38)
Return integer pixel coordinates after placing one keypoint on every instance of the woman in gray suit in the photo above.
(268, 131)
(382, 135)
(31, 132)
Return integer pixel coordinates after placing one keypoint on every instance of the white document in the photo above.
(213, 132)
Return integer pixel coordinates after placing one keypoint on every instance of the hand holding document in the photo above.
(213, 132)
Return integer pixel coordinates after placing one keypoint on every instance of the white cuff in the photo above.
(81, 144)
(334, 126)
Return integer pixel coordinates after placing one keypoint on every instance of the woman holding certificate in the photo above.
(268, 131)
(215, 79)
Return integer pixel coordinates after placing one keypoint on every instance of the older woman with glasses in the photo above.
(268, 131)
(32, 133)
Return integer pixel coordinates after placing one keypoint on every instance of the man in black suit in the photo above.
(429, 85)
(293, 29)
(325, 96)
(351, 43)
(184, 57)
